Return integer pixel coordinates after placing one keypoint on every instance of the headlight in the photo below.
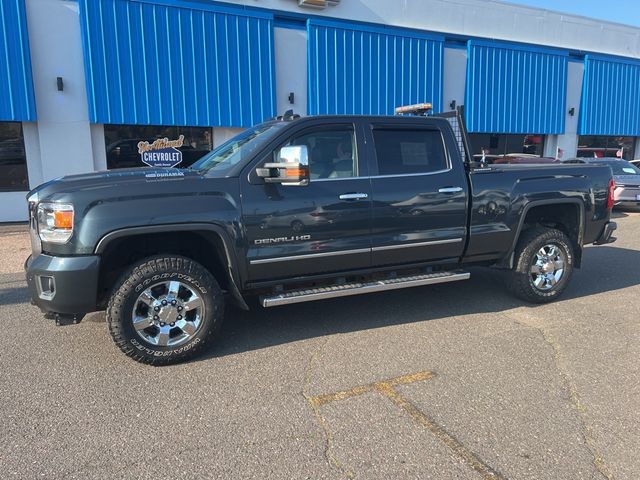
(55, 222)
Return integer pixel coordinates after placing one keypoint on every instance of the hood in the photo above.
(106, 182)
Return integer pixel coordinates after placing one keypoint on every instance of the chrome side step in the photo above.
(310, 294)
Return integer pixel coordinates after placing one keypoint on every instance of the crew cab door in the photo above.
(317, 228)
(420, 192)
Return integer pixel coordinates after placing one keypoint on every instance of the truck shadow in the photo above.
(605, 269)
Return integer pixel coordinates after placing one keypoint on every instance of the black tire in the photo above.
(522, 280)
(143, 275)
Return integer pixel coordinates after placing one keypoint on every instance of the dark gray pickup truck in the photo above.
(300, 209)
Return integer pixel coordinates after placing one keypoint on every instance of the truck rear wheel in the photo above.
(543, 265)
(165, 310)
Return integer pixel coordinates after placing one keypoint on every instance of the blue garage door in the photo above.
(610, 97)
(16, 85)
(357, 69)
(177, 63)
(515, 89)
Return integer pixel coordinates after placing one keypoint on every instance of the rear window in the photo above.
(409, 151)
(621, 168)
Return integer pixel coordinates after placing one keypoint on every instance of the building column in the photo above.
(64, 137)
(291, 70)
(455, 76)
(568, 142)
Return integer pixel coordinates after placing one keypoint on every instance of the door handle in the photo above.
(450, 190)
(353, 196)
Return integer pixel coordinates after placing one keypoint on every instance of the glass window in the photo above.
(620, 168)
(332, 153)
(13, 161)
(122, 143)
(496, 146)
(402, 152)
(238, 149)
(594, 146)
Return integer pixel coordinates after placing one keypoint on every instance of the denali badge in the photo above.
(296, 238)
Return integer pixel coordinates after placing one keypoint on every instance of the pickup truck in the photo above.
(301, 209)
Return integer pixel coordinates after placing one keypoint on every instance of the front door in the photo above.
(420, 194)
(319, 228)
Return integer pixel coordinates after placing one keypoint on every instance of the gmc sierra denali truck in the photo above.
(300, 209)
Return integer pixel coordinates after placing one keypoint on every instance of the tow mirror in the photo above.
(291, 169)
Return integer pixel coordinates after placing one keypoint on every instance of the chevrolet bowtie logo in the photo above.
(317, 3)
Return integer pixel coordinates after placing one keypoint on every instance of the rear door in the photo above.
(420, 192)
(319, 228)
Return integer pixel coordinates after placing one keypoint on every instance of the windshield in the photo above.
(240, 148)
(622, 168)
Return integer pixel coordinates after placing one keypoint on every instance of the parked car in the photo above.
(163, 249)
(524, 159)
(627, 178)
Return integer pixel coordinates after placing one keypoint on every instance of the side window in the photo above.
(407, 151)
(332, 153)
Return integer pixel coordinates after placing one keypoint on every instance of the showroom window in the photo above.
(595, 146)
(122, 143)
(498, 145)
(13, 162)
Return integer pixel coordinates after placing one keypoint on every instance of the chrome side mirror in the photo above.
(292, 168)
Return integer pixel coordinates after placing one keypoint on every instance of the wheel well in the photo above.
(206, 248)
(564, 217)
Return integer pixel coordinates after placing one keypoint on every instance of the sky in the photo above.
(620, 11)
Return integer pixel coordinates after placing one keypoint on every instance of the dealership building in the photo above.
(83, 82)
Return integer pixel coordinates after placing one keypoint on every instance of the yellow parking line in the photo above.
(320, 400)
(386, 388)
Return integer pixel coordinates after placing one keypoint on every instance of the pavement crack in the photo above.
(573, 397)
(329, 455)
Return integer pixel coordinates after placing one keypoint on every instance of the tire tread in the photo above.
(151, 266)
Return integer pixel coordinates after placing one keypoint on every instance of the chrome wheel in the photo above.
(168, 314)
(548, 267)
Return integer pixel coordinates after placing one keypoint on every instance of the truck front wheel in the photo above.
(165, 310)
(543, 265)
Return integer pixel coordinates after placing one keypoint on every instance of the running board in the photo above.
(310, 294)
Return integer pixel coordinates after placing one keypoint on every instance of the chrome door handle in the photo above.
(450, 190)
(353, 196)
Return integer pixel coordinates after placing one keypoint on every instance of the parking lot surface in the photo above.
(457, 381)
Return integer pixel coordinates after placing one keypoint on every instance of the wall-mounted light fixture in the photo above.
(317, 3)
(572, 111)
(60, 84)
(452, 105)
(291, 97)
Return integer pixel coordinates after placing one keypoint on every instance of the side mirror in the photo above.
(292, 168)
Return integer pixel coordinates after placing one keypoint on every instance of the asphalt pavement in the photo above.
(457, 381)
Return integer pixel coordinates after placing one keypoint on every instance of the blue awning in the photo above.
(515, 89)
(361, 69)
(610, 102)
(17, 102)
(177, 62)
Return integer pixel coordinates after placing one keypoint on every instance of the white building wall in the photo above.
(291, 70)
(569, 141)
(481, 18)
(455, 76)
(221, 135)
(64, 133)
